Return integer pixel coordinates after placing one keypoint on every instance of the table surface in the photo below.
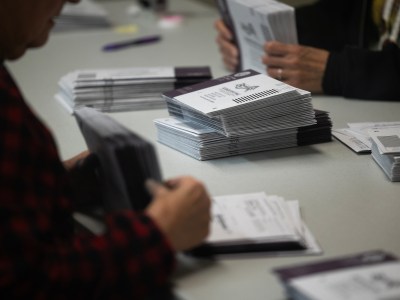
(346, 200)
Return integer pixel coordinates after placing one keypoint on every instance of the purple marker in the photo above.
(139, 41)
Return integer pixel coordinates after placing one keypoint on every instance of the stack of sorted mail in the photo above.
(86, 14)
(257, 223)
(386, 150)
(240, 113)
(254, 22)
(366, 275)
(125, 89)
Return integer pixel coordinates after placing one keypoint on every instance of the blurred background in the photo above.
(290, 2)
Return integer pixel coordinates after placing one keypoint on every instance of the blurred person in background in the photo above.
(346, 48)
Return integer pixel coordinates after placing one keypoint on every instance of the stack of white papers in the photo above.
(372, 275)
(356, 136)
(254, 22)
(125, 89)
(204, 143)
(386, 150)
(243, 103)
(257, 222)
(240, 113)
(84, 15)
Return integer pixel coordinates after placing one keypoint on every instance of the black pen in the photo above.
(139, 41)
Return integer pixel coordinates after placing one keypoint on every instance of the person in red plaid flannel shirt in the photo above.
(41, 255)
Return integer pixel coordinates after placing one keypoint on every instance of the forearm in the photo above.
(358, 73)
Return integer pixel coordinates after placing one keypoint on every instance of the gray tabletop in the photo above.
(346, 199)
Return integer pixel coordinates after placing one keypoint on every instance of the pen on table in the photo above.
(135, 42)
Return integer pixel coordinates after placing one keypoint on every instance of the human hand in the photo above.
(228, 50)
(300, 66)
(182, 211)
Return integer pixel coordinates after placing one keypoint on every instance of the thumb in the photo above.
(155, 188)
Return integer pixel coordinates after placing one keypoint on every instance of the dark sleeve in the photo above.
(133, 260)
(331, 24)
(85, 184)
(364, 74)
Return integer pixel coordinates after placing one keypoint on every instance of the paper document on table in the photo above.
(370, 275)
(357, 136)
(256, 222)
(368, 283)
(349, 139)
(386, 150)
(387, 139)
(251, 216)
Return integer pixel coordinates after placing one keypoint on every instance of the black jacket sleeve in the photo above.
(364, 74)
(332, 25)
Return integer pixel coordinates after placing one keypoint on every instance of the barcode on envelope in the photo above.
(263, 94)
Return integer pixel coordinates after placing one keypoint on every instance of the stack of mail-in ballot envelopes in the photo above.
(255, 22)
(125, 89)
(86, 14)
(386, 150)
(369, 275)
(240, 113)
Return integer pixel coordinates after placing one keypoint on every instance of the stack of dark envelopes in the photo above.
(126, 160)
(240, 113)
(125, 89)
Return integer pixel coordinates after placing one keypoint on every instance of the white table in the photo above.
(346, 199)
